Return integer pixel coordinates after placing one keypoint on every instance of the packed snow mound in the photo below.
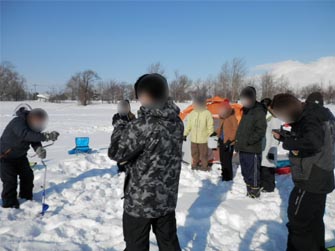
(84, 194)
(301, 74)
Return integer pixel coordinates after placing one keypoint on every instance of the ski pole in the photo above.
(45, 206)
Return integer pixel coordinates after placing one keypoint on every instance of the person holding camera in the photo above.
(311, 152)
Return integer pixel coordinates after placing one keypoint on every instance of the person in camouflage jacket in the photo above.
(150, 148)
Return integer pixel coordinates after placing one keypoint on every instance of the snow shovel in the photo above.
(45, 206)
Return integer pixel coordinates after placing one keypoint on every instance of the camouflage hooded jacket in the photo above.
(150, 147)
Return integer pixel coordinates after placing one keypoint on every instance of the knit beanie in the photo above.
(155, 85)
(249, 92)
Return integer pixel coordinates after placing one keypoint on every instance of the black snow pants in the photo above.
(10, 169)
(226, 156)
(268, 178)
(306, 227)
(136, 232)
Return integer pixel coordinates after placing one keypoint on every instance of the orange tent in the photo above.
(213, 105)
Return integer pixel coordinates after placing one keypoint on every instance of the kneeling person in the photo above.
(150, 148)
(23, 131)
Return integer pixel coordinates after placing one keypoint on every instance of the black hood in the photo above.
(322, 113)
(22, 113)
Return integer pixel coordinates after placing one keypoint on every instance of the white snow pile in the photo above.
(84, 194)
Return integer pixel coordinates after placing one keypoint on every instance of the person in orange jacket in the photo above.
(227, 133)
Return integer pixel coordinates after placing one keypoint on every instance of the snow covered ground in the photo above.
(84, 194)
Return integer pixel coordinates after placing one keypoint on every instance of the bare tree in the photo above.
(200, 88)
(238, 73)
(305, 91)
(57, 96)
(329, 94)
(232, 77)
(11, 83)
(113, 91)
(267, 85)
(224, 81)
(156, 68)
(128, 92)
(81, 85)
(179, 87)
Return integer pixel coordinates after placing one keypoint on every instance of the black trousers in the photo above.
(226, 156)
(10, 169)
(136, 232)
(306, 227)
(268, 178)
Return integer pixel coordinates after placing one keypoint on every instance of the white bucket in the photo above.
(213, 142)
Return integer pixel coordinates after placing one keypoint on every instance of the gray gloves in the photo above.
(53, 136)
(41, 152)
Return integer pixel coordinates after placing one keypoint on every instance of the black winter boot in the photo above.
(11, 204)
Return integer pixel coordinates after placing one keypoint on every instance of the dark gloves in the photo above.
(226, 146)
(41, 152)
(185, 138)
(213, 134)
(53, 136)
(120, 124)
(228, 143)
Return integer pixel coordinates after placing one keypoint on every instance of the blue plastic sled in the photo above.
(283, 163)
(82, 146)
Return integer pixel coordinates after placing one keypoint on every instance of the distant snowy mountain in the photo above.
(302, 74)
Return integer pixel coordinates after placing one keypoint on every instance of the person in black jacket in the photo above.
(249, 136)
(317, 98)
(123, 115)
(311, 146)
(23, 131)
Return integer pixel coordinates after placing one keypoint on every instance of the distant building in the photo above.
(43, 97)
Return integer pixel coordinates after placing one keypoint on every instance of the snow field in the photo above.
(84, 194)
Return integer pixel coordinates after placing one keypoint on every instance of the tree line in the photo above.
(87, 86)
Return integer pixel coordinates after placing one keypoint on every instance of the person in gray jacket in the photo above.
(150, 149)
(23, 131)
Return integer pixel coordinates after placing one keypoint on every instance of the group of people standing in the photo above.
(149, 149)
(251, 137)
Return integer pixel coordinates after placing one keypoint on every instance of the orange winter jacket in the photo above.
(229, 126)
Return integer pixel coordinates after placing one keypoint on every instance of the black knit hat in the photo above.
(153, 84)
(249, 92)
(315, 97)
(266, 102)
